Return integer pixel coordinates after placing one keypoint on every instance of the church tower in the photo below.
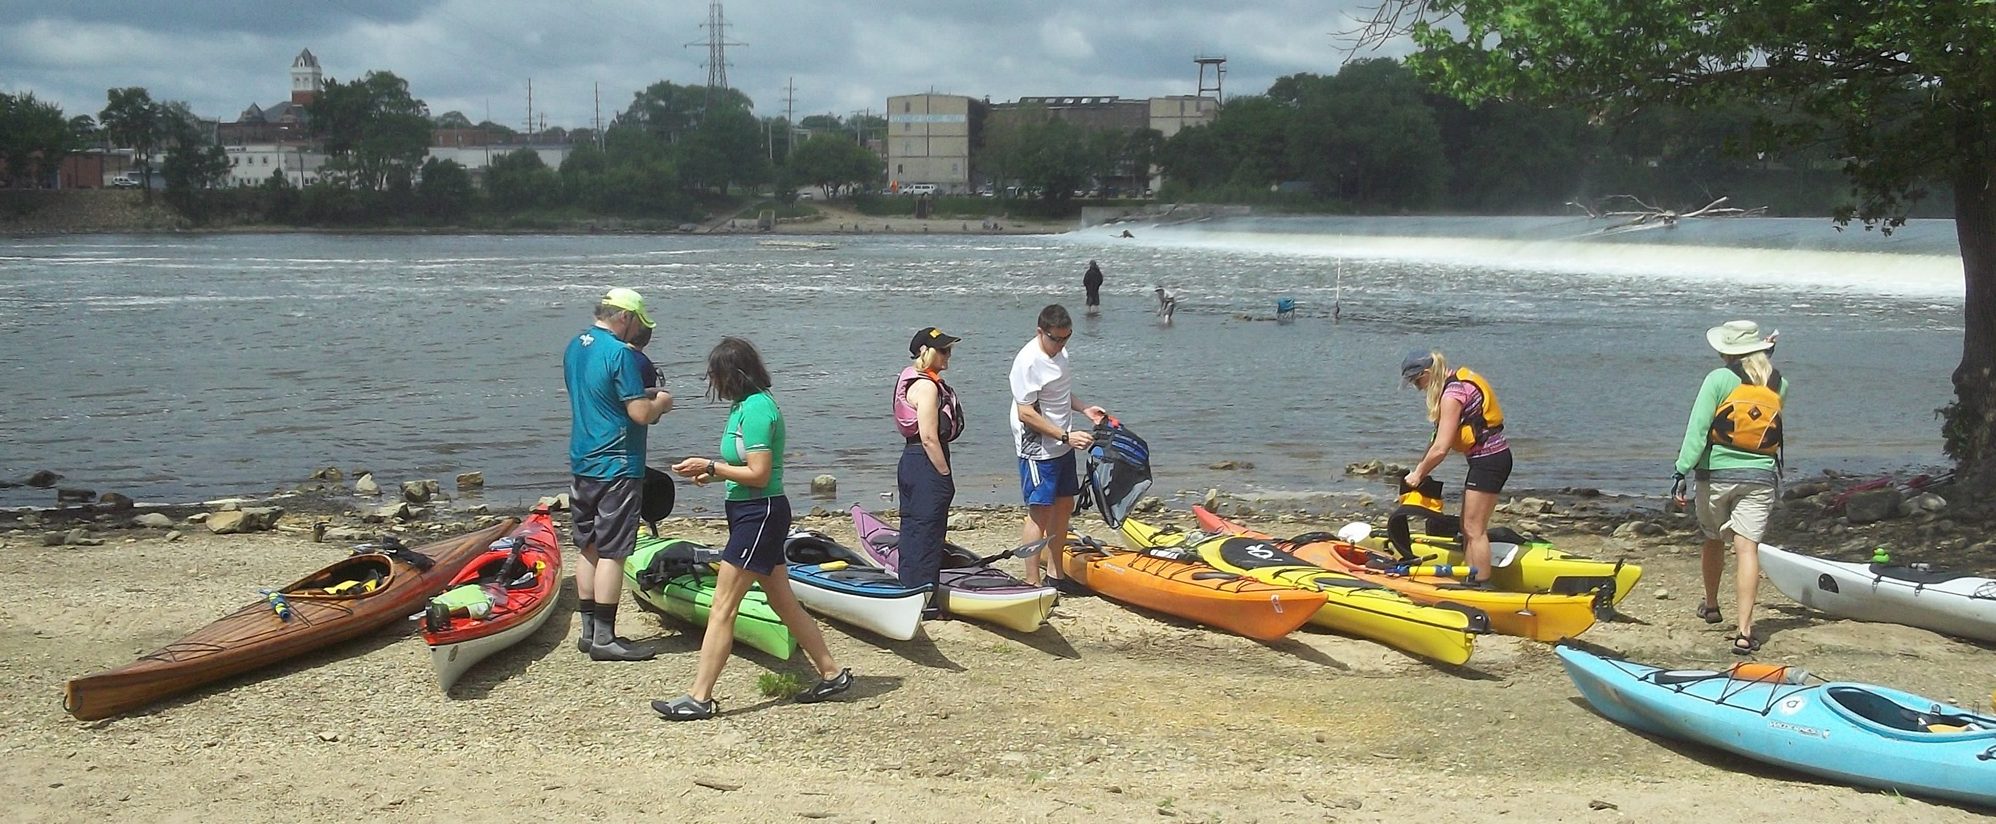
(304, 78)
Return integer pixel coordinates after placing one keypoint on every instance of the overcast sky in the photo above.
(468, 55)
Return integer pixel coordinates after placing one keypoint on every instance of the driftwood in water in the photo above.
(1651, 215)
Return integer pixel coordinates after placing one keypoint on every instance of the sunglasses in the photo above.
(1056, 338)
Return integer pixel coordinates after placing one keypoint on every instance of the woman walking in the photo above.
(928, 416)
(1469, 420)
(751, 463)
(1732, 447)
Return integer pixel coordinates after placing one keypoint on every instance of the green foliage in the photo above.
(779, 684)
(453, 120)
(374, 131)
(834, 162)
(131, 119)
(34, 137)
(519, 180)
(444, 192)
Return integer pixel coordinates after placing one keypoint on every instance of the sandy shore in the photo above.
(1105, 714)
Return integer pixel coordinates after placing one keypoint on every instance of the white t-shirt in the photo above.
(1043, 383)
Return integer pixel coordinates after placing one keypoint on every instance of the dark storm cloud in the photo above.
(476, 56)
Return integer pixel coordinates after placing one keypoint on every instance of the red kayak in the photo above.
(501, 597)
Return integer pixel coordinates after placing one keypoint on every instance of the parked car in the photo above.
(125, 182)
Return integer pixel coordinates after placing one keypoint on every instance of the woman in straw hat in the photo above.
(1732, 447)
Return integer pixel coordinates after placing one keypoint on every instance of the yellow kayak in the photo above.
(1442, 632)
(1540, 616)
(1536, 567)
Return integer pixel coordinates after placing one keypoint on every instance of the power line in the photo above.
(717, 49)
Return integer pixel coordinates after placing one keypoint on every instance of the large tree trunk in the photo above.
(1975, 379)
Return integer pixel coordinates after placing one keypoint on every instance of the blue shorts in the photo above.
(1043, 481)
(756, 530)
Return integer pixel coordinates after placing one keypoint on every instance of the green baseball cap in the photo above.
(630, 301)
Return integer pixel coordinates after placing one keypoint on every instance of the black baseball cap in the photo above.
(931, 337)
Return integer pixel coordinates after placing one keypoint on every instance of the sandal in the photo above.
(1745, 644)
(1709, 613)
(826, 688)
(685, 708)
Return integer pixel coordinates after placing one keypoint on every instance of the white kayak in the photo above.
(1915, 595)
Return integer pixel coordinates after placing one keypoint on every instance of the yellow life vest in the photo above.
(1749, 418)
(1474, 429)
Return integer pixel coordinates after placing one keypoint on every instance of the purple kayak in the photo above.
(970, 590)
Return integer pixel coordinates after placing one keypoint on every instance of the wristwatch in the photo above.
(710, 467)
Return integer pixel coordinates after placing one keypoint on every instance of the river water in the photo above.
(175, 368)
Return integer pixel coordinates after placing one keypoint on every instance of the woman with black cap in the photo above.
(929, 417)
(1469, 420)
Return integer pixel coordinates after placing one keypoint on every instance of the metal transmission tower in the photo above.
(717, 49)
(1219, 65)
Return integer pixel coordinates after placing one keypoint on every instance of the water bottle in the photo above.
(278, 605)
(1880, 556)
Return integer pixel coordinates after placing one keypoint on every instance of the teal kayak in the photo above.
(1858, 734)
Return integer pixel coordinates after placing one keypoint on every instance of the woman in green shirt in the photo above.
(751, 463)
(1732, 446)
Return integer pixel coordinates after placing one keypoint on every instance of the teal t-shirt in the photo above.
(1693, 454)
(754, 425)
(602, 375)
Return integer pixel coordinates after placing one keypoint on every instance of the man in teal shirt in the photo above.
(609, 408)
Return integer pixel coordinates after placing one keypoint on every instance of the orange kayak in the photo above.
(1538, 616)
(1166, 581)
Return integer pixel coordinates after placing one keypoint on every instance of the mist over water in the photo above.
(177, 368)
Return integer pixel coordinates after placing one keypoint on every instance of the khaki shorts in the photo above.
(1727, 508)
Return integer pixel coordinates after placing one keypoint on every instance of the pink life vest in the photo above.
(905, 420)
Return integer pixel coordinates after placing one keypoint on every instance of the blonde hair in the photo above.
(1758, 367)
(1437, 380)
(926, 362)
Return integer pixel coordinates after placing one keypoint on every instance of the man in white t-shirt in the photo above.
(1045, 431)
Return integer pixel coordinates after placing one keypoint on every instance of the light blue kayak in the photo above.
(1857, 734)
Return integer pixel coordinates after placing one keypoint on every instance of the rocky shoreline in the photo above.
(1844, 517)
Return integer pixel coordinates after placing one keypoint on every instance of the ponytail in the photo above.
(1758, 368)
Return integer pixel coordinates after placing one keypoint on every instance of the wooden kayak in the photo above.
(526, 567)
(352, 597)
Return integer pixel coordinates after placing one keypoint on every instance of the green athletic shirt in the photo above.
(1694, 454)
(754, 425)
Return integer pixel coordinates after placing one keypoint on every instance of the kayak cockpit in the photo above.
(1882, 712)
(357, 577)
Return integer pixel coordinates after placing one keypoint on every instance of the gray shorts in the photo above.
(606, 512)
(1727, 508)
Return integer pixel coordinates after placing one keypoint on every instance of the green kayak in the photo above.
(658, 574)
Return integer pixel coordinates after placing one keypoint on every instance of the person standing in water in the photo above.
(751, 463)
(1092, 281)
(929, 417)
(1732, 447)
(1467, 419)
(1043, 427)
